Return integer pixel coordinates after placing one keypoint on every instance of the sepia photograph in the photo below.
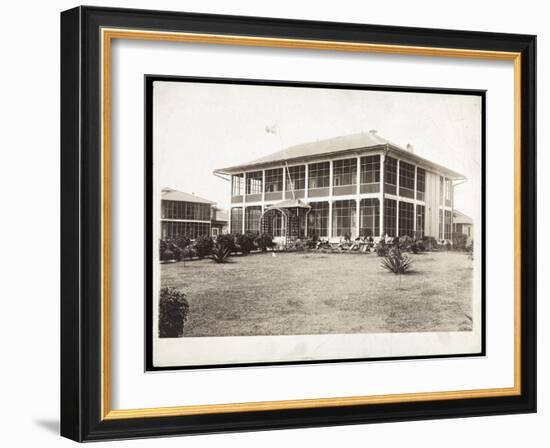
(294, 222)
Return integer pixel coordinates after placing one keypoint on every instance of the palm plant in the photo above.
(396, 262)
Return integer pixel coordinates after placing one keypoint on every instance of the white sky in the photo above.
(201, 127)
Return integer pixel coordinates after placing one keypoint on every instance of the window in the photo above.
(406, 219)
(344, 218)
(420, 183)
(296, 178)
(237, 220)
(390, 171)
(319, 175)
(420, 219)
(344, 172)
(215, 231)
(317, 219)
(370, 169)
(369, 217)
(191, 230)
(252, 219)
(441, 224)
(254, 182)
(237, 185)
(274, 180)
(448, 224)
(390, 216)
(185, 210)
(441, 190)
(406, 179)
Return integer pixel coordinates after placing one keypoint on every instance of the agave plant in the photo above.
(222, 248)
(220, 253)
(396, 262)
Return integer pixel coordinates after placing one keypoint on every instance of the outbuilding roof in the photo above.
(461, 218)
(170, 194)
(339, 146)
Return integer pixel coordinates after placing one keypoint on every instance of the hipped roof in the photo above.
(170, 194)
(338, 146)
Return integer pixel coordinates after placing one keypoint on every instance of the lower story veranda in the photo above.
(343, 218)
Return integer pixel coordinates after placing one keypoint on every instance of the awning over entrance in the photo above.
(286, 219)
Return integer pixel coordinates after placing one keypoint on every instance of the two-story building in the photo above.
(360, 184)
(184, 214)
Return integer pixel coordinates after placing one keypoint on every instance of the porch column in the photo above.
(443, 205)
(414, 197)
(244, 205)
(381, 198)
(263, 189)
(397, 202)
(330, 183)
(330, 219)
(284, 182)
(306, 188)
(230, 203)
(358, 199)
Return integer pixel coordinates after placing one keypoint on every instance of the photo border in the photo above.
(149, 79)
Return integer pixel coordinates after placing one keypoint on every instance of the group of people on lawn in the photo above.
(360, 244)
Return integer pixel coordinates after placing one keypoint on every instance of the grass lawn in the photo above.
(316, 293)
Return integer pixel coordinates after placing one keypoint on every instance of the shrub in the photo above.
(396, 262)
(203, 246)
(459, 241)
(181, 241)
(404, 243)
(365, 233)
(312, 242)
(174, 251)
(296, 245)
(177, 251)
(246, 242)
(167, 255)
(381, 248)
(470, 250)
(223, 246)
(264, 242)
(226, 239)
(189, 252)
(173, 313)
(429, 242)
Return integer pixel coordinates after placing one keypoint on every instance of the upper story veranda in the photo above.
(361, 165)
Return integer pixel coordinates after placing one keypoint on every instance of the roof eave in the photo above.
(240, 168)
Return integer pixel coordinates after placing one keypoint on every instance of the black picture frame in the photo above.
(82, 409)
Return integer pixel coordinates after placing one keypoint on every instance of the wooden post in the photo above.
(381, 200)
(358, 200)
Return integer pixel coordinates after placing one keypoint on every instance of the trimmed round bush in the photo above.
(167, 255)
(203, 246)
(246, 242)
(173, 313)
(264, 242)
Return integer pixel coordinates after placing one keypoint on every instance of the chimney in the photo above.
(410, 148)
